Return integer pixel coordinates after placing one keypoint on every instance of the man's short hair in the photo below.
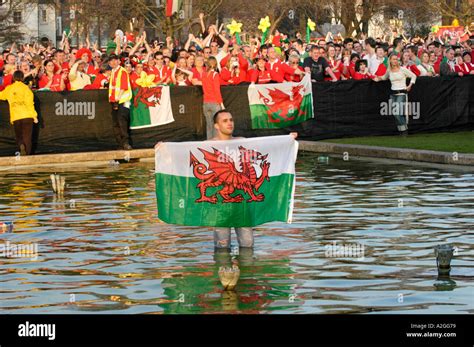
(216, 115)
(370, 42)
(18, 76)
(347, 40)
(396, 41)
(315, 47)
(413, 49)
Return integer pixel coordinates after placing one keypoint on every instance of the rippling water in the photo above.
(101, 248)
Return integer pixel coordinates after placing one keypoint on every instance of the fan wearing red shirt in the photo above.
(233, 73)
(294, 63)
(198, 71)
(212, 98)
(85, 55)
(135, 75)
(8, 71)
(335, 64)
(349, 67)
(50, 80)
(60, 62)
(162, 72)
(259, 75)
(362, 71)
(101, 81)
(236, 53)
(465, 66)
(277, 68)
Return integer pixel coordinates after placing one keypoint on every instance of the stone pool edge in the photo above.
(135, 155)
(407, 154)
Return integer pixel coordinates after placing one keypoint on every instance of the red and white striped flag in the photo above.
(172, 6)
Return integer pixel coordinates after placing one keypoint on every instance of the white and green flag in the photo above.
(235, 183)
(151, 106)
(280, 105)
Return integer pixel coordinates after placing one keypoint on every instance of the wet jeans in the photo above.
(222, 237)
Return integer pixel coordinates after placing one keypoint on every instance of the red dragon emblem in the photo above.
(282, 106)
(151, 97)
(221, 171)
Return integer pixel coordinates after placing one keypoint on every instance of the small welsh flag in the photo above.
(151, 106)
(280, 105)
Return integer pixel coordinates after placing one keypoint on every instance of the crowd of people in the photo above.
(279, 59)
(214, 58)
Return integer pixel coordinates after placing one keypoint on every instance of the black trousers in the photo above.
(121, 122)
(23, 133)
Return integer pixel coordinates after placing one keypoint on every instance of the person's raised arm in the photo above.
(225, 48)
(188, 42)
(201, 21)
(207, 41)
(73, 72)
(118, 48)
(149, 51)
(136, 46)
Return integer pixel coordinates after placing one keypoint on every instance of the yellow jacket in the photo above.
(20, 98)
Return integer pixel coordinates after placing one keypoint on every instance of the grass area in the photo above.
(462, 142)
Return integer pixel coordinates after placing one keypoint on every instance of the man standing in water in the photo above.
(224, 129)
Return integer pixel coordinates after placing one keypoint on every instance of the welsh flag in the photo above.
(151, 106)
(280, 105)
(172, 6)
(235, 183)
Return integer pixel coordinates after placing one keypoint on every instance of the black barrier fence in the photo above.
(341, 109)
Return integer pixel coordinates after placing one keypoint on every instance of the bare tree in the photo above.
(9, 31)
(462, 10)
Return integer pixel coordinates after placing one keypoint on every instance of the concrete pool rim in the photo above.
(345, 151)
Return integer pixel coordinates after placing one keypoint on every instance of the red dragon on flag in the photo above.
(221, 171)
(282, 106)
(149, 96)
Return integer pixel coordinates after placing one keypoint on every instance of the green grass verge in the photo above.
(461, 142)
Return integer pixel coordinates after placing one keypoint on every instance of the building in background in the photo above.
(34, 20)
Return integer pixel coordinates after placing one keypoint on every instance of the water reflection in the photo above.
(102, 249)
